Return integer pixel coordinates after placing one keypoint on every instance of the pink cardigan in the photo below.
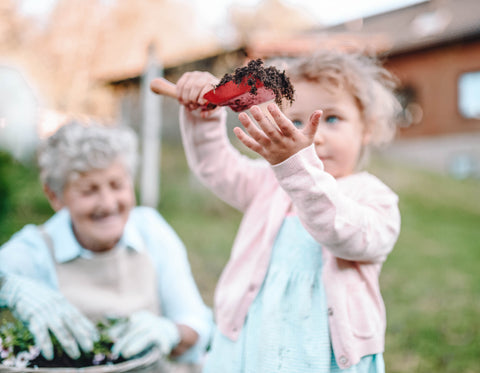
(356, 219)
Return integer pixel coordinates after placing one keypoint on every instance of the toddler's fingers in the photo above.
(189, 88)
(253, 130)
(284, 124)
(269, 129)
(247, 140)
(183, 88)
(204, 82)
(312, 125)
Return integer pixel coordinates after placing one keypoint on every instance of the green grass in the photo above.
(430, 282)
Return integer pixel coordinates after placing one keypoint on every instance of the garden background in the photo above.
(430, 282)
(88, 58)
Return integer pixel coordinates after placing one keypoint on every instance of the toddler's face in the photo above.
(99, 202)
(341, 133)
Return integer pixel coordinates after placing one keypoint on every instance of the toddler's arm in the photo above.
(356, 219)
(215, 161)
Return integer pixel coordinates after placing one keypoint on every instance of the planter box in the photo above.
(149, 363)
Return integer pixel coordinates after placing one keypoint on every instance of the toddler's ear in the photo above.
(367, 135)
(52, 197)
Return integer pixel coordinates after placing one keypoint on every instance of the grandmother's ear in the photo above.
(54, 200)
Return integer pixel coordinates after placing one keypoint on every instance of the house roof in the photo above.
(135, 26)
(423, 25)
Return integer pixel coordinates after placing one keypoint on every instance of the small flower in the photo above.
(22, 359)
(10, 362)
(34, 352)
(4, 353)
(98, 358)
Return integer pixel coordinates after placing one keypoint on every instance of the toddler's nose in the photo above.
(319, 138)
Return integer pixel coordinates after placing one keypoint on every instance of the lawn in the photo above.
(431, 281)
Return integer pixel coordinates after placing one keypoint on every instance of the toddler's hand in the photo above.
(275, 141)
(191, 88)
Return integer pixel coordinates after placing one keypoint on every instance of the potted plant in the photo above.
(18, 353)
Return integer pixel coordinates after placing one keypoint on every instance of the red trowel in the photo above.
(238, 97)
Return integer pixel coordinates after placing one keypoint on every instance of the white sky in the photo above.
(327, 12)
(213, 12)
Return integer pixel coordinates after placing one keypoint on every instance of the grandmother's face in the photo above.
(99, 202)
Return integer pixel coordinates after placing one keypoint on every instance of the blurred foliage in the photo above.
(430, 282)
(21, 197)
(5, 161)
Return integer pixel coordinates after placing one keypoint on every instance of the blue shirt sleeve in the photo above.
(27, 254)
(180, 299)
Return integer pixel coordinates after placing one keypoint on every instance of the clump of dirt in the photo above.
(270, 76)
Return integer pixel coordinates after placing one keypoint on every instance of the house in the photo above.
(435, 52)
(433, 47)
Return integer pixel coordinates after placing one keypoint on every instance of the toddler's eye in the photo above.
(297, 123)
(331, 119)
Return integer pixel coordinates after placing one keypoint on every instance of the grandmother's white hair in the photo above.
(79, 147)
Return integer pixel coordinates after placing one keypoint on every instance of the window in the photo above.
(469, 95)
(18, 110)
(412, 112)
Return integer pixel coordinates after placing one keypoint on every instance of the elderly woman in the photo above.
(100, 256)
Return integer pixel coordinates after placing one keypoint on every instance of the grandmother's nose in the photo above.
(108, 200)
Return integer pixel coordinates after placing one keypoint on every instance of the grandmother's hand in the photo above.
(44, 310)
(143, 330)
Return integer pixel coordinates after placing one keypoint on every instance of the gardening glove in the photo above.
(142, 330)
(44, 310)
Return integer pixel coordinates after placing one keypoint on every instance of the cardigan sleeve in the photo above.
(232, 176)
(356, 217)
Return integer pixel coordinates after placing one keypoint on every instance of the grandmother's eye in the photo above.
(297, 123)
(88, 191)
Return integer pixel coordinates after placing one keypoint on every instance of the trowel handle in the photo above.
(163, 87)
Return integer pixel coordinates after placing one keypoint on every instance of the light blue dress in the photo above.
(286, 329)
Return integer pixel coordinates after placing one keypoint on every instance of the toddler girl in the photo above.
(300, 292)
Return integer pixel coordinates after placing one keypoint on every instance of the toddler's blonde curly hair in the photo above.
(371, 85)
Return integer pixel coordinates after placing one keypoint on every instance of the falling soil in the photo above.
(270, 76)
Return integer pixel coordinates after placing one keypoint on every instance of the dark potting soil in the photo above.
(270, 76)
(62, 360)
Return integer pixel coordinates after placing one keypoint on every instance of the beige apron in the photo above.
(114, 283)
